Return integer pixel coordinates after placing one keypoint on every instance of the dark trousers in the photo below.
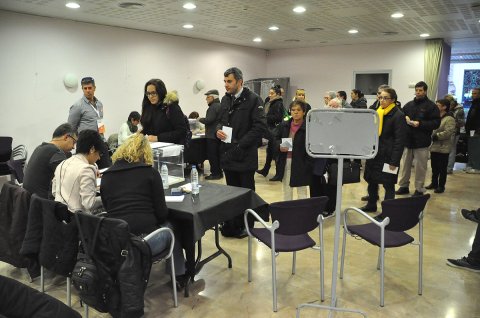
(243, 179)
(319, 188)
(439, 163)
(373, 192)
(474, 255)
(213, 155)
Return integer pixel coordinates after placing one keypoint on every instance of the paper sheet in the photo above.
(174, 198)
(386, 168)
(228, 131)
(159, 144)
(287, 142)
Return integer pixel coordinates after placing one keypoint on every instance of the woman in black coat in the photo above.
(162, 118)
(298, 167)
(383, 169)
(132, 190)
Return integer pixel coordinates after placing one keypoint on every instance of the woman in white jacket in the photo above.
(129, 127)
(74, 183)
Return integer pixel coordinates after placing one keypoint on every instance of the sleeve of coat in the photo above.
(88, 189)
(177, 119)
(449, 130)
(432, 121)
(258, 128)
(213, 112)
(400, 133)
(275, 115)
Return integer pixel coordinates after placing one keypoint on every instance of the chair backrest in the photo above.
(20, 153)
(5, 148)
(404, 213)
(297, 216)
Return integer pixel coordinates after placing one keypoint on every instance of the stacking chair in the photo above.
(292, 220)
(398, 216)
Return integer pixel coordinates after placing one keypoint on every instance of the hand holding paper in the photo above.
(387, 169)
(287, 143)
(228, 131)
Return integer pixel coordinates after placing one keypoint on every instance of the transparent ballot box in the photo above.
(171, 155)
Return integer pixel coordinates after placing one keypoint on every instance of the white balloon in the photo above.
(70, 80)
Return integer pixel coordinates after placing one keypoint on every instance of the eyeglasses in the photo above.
(151, 94)
(73, 138)
(87, 80)
(384, 98)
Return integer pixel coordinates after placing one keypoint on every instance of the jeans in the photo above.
(439, 162)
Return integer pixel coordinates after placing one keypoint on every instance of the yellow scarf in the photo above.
(382, 112)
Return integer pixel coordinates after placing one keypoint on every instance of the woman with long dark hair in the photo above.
(162, 118)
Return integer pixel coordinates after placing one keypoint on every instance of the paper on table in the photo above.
(287, 142)
(159, 144)
(228, 131)
(174, 198)
(386, 168)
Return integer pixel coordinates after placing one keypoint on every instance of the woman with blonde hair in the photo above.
(132, 190)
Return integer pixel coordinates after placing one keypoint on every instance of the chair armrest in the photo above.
(382, 224)
(162, 229)
(273, 227)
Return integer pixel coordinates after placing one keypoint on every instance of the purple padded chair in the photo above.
(292, 220)
(398, 216)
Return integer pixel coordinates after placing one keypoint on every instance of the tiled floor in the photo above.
(221, 292)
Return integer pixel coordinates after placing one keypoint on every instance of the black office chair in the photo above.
(292, 220)
(398, 216)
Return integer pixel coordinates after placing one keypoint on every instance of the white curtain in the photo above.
(433, 62)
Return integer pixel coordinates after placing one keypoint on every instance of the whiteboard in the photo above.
(342, 133)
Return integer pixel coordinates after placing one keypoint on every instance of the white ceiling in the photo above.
(238, 22)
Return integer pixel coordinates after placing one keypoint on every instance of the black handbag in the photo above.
(351, 172)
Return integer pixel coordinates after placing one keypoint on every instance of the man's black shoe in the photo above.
(431, 186)
(402, 190)
(471, 215)
(276, 178)
(263, 172)
(439, 190)
(464, 264)
(214, 177)
(417, 194)
(369, 208)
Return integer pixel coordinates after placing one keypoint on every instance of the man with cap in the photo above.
(212, 119)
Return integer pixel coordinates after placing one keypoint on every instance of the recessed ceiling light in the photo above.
(273, 28)
(313, 29)
(131, 5)
(424, 35)
(291, 40)
(188, 26)
(397, 15)
(72, 5)
(299, 9)
(257, 39)
(353, 31)
(189, 6)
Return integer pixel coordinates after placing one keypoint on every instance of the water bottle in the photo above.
(194, 180)
(164, 175)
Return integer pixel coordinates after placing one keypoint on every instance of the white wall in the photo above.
(37, 52)
(331, 68)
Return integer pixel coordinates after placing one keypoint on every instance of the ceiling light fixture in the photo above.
(188, 26)
(257, 39)
(273, 28)
(299, 9)
(397, 15)
(189, 6)
(424, 35)
(353, 31)
(72, 5)
(131, 5)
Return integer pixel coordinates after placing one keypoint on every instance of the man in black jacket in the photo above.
(242, 111)
(472, 127)
(214, 113)
(422, 116)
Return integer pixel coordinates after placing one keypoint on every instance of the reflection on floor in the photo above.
(221, 292)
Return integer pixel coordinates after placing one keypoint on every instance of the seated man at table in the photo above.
(132, 190)
(45, 158)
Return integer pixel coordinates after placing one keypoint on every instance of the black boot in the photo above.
(264, 171)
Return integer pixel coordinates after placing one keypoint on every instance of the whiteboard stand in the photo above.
(340, 134)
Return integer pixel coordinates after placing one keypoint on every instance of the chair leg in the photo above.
(174, 282)
(42, 280)
(322, 264)
(378, 259)
(69, 292)
(294, 262)
(86, 311)
(249, 258)
(342, 259)
(382, 276)
(274, 281)
(420, 260)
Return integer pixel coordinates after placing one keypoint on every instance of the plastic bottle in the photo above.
(164, 175)
(194, 180)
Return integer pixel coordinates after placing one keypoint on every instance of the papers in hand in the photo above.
(174, 198)
(386, 168)
(287, 143)
(228, 131)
